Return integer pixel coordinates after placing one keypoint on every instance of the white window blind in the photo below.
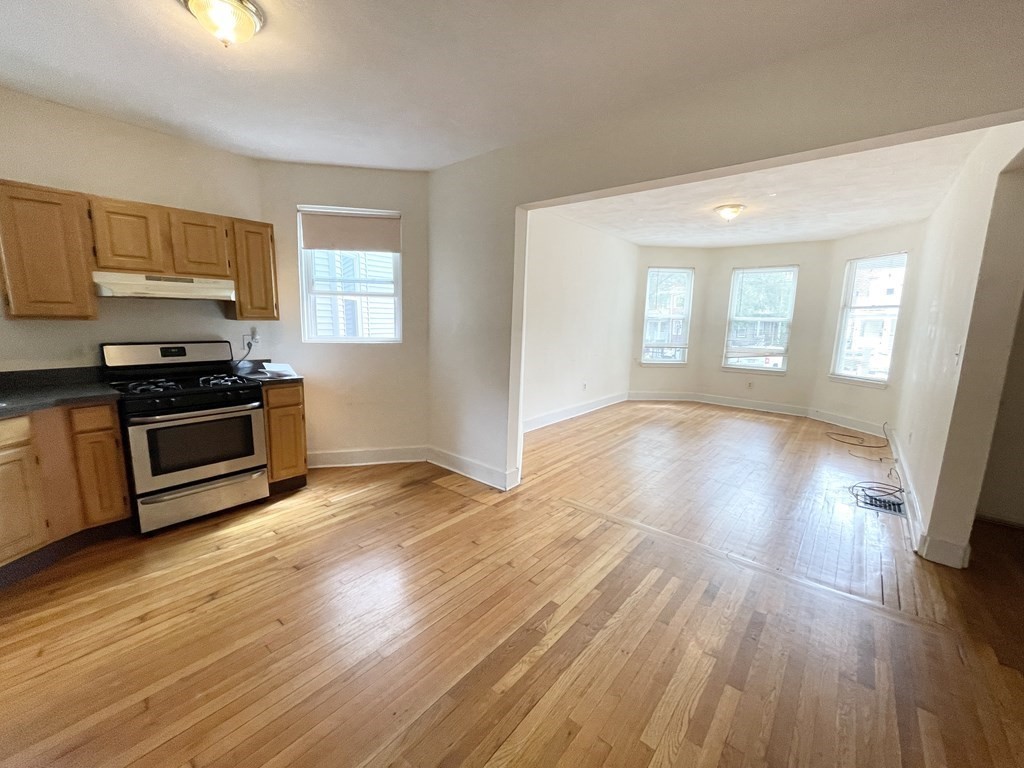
(760, 315)
(667, 315)
(351, 270)
(872, 292)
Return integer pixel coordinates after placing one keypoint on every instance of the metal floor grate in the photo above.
(886, 504)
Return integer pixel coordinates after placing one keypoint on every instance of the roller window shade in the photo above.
(342, 232)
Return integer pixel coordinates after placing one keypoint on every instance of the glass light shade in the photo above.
(230, 21)
(730, 211)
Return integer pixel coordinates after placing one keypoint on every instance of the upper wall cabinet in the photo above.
(48, 250)
(256, 286)
(45, 247)
(130, 236)
(200, 244)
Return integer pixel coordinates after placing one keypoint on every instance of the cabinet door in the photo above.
(58, 472)
(101, 477)
(286, 442)
(45, 246)
(22, 525)
(129, 236)
(256, 270)
(199, 243)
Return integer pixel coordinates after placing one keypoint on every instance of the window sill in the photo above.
(351, 341)
(869, 383)
(642, 364)
(758, 371)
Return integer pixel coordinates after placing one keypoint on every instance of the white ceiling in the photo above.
(404, 83)
(817, 200)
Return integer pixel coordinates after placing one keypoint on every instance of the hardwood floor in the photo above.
(405, 616)
(765, 488)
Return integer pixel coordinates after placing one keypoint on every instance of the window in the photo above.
(351, 275)
(760, 314)
(667, 315)
(867, 322)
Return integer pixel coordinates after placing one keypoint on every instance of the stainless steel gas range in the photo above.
(195, 435)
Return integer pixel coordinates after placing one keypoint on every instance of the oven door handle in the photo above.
(133, 420)
(171, 495)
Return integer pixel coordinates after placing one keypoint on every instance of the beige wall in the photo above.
(579, 319)
(872, 404)
(704, 374)
(44, 143)
(958, 336)
(806, 388)
(1002, 493)
(361, 398)
(906, 78)
(367, 402)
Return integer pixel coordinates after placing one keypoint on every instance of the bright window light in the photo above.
(760, 316)
(351, 275)
(667, 315)
(872, 293)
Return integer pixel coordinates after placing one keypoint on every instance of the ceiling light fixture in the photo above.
(729, 211)
(230, 21)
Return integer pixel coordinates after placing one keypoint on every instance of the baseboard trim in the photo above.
(999, 521)
(492, 476)
(553, 417)
(762, 406)
(944, 552)
(930, 548)
(359, 457)
(917, 537)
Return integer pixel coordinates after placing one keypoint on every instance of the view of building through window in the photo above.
(351, 295)
(760, 315)
(867, 323)
(351, 267)
(667, 315)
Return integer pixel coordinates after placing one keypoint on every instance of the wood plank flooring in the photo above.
(405, 616)
(767, 488)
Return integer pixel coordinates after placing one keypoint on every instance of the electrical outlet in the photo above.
(750, 385)
(253, 337)
(584, 386)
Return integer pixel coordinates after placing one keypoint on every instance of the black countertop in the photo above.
(23, 392)
(254, 370)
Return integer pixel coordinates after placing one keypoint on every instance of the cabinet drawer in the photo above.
(93, 418)
(15, 431)
(278, 395)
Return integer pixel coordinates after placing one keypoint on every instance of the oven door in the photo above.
(177, 449)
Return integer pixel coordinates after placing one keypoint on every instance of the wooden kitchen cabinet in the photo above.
(22, 517)
(130, 237)
(255, 271)
(100, 463)
(49, 248)
(46, 251)
(286, 431)
(200, 244)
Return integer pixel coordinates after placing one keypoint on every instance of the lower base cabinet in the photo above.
(61, 471)
(286, 431)
(22, 518)
(100, 476)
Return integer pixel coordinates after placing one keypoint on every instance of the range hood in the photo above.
(162, 286)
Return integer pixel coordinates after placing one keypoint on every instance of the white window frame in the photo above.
(308, 294)
(795, 269)
(689, 319)
(846, 306)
